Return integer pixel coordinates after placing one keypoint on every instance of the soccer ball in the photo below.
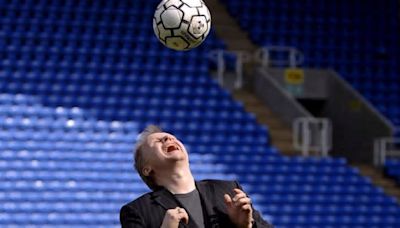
(182, 24)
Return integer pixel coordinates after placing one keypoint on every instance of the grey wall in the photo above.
(315, 85)
(356, 123)
(276, 98)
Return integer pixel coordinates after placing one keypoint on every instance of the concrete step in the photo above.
(219, 14)
(282, 134)
(240, 45)
(378, 178)
(272, 124)
(227, 28)
(257, 106)
(222, 21)
(285, 148)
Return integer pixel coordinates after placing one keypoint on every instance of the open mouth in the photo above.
(172, 148)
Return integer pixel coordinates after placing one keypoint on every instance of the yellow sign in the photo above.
(355, 105)
(294, 76)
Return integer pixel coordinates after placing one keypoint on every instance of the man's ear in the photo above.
(146, 171)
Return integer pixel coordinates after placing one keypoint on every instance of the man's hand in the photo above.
(173, 217)
(239, 209)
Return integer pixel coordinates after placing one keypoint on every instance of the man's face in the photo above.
(164, 150)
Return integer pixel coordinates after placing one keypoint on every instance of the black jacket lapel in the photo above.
(208, 201)
(168, 201)
(165, 199)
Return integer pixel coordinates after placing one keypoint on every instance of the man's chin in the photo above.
(176, 158)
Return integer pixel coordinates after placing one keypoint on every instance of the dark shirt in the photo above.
(192, 204)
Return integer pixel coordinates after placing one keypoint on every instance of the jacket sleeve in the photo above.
(130, 218)
(259, 222)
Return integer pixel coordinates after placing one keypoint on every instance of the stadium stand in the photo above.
(79, 79)
(357, 39)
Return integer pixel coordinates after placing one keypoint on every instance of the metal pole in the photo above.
(306, 139)
(262, 55)
(239, 70)
(383, 151)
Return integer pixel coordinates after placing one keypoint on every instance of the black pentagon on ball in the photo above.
(178, 26)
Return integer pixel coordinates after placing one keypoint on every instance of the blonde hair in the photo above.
(140, 160)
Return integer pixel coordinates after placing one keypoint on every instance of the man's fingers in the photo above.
(237, 191)
(239, 196)
(228, 200)
(183, 216)
(242, 201)
(173, 217)
(246, 207)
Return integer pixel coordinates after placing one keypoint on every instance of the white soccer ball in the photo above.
(182, 24)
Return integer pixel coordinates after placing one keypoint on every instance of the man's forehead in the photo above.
(158, 135)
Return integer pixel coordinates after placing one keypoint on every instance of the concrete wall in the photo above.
(276, 98)
(356, 123)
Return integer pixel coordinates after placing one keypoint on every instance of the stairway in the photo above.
(235, 38)
(228, 29)
(280, 134)
(378, 178)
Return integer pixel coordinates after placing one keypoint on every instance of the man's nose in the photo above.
(167, 138)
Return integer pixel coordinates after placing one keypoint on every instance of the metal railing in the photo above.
(264, 56)
(312, 135)
(385, 147)
(241, 57)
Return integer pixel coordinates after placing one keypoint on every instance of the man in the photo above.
(177, 200)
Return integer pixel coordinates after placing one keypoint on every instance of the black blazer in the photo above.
(149, 209)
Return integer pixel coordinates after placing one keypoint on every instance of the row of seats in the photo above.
(119, 90)
(143, 83)
(314, 174)
(40, 126)
(76, 5)
(107, 50)
(107, 69)
(101, 41)
(118, 87)
(185, 100)
(219, 148)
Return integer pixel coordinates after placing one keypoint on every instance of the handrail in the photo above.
(312, 134)
(264, 56)
(382, 149)
(219, 56)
